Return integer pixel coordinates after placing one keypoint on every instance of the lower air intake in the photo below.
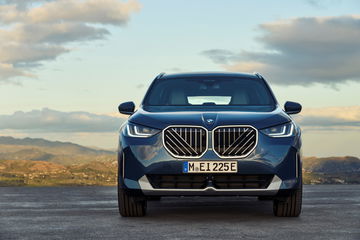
(201, 181)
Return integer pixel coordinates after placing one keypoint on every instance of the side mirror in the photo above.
(292, 107)
(127, 108)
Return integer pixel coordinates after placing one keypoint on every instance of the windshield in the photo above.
(209, 92)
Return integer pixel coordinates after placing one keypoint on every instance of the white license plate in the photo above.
(210, 167)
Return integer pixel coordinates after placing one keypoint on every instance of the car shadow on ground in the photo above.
(203, 208)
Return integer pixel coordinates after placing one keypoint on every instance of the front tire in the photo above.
(290, 206)
(130, 206)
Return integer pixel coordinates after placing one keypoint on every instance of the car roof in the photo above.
(208, 74)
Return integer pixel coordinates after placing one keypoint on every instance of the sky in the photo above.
(65, 65)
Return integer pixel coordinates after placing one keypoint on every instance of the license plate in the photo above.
(210, 167)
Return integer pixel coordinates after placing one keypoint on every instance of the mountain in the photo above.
(39, 162)
(27, 154)
(331, 170)
(52, 146)
(345, 164)
(64, 153)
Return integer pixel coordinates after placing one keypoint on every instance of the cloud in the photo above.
(90, 11)
(8, 71)
(140, 86)
(301, 51)
(22, 4)
(220, 55)
(323, 4)
(330, 118)
(41, 30)
(176, 70)
(47, 120)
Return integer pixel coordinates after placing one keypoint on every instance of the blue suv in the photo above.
(209, 134)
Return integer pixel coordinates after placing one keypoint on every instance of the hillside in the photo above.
(331, 170)
(63, 153)
(55, 147)
(39, 162)
(332, 164)
(40, 173)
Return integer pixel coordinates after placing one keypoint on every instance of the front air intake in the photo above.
(218, 181)
(185, 141)
(234, 141)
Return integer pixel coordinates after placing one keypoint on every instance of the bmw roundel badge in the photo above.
(210, 121)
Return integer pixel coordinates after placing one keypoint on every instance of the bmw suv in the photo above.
(209, 134)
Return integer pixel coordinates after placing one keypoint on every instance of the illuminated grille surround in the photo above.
(205, 141)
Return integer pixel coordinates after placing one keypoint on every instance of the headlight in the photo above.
(134, 130)
(283, 130)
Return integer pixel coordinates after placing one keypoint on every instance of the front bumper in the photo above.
(279, 157)
(147, 189)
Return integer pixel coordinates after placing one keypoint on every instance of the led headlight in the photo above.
(134, 130)
(283, 130)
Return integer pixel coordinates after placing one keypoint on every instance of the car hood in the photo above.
(160, 118)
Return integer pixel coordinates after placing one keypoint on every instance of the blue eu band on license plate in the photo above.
(186, 167)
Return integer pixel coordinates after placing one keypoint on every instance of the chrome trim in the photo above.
(160, 75)
(186, 126)
(235, 126)
(123, 165)
(297, 166)
(147, 188)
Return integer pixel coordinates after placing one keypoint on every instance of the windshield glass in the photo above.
(209, 92)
